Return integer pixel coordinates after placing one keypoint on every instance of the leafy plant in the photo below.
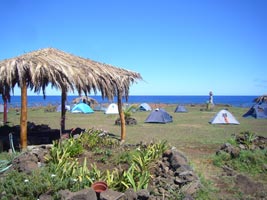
(129, 110)
(248, 137)
(64, 171)
(22, 186)
(220, 159)
(95, 138)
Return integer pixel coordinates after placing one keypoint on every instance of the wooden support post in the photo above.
(122, 118)
(63, 111)
(23, 117)
(5, 109)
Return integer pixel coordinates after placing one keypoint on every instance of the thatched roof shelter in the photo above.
(85, 99)
(64, 71)
(261, 99)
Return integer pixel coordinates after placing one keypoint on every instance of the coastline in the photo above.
(236, 101)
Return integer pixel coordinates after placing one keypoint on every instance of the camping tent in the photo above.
(259, 111)
(112, 109)
(99, 107)
(224, 117)
(82, 108)
(159, 116)
(1, 108)
(145, 107)
(180, 108)
(67, 107)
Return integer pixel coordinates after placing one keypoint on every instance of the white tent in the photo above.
(2, 108)
(145, 107)
(112, 109)
(67, 107)
(224, 117)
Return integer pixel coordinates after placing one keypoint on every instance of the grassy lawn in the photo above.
(189, 132)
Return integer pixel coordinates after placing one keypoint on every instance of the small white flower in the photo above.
(74, 180)
(26, 181)
(53, 175)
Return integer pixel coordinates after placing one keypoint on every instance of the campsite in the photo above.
(191, 133)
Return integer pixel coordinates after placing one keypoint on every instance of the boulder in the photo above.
(85, 194)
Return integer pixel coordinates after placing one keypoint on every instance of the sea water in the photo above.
(237, 101)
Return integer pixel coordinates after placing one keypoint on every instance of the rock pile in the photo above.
(30, 160)
(172, 177)
(244, 141)
(128, 121)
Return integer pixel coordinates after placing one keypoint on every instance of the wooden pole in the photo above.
(122, 118)
(23, 117)
(63, 111)
(5, 109)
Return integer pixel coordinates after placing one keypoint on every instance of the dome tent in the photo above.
(67, 107)
(159, 115)
(145, 107)
(112, 109)
(223, 117)
(180, 108)
(82, 108)
(258, 111)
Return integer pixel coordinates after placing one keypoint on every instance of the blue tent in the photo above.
(82, 108)
(145, 107)
(180, 108)
(258, 111)
(159, 116)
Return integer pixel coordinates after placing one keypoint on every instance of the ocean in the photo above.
(237, 101)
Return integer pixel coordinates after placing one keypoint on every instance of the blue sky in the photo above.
(180, 47)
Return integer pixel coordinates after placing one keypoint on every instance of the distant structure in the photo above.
(211, 97)
(210, 104)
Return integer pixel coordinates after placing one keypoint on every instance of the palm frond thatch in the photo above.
(85, 99)
(66, 72)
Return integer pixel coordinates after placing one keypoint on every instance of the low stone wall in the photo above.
(36, 135)
(172, 176)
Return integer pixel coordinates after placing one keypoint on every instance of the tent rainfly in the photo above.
(145, 107)
(180, 109)
(112, 109)
(159, 115)
(258, 111)
(82, 108)
(224, 117)
(66, 72)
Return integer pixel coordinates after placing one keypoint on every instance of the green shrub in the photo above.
(22, 186)
(250, 161)
(63, 171)
(95, 138)
(220, 159)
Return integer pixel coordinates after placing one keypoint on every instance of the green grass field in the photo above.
(189, 132)
(187, 129)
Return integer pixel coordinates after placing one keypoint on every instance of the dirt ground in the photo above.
(227, 184)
